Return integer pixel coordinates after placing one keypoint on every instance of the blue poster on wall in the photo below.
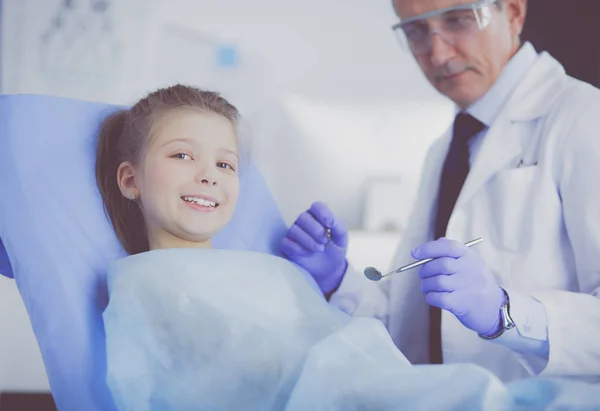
(227, 56)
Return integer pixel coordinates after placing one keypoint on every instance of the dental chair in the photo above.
(56, 241)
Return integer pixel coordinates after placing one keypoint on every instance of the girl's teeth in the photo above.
(200, 201)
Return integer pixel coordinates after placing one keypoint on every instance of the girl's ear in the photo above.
(126, 181)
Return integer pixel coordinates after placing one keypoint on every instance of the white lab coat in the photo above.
(541, 226)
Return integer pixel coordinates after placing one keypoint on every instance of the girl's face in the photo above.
(187, 183)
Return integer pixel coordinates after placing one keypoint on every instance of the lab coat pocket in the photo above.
(512, 196)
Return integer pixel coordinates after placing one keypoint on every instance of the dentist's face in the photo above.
(465, 70)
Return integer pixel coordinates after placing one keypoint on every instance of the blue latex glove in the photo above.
(459, 281)
(307, 245)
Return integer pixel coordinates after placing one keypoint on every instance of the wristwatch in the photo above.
(506, 322)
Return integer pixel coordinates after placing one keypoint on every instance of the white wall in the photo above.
(21, 366)
(330, 100)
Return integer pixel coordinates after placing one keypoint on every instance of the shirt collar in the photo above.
(487, 108)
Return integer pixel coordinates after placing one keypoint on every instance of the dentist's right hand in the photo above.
(307, 245)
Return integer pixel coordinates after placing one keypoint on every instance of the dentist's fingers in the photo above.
(439, 266)
(292, 249)
(326, 218)
(308, 223)
(302, 238)
(442, 247)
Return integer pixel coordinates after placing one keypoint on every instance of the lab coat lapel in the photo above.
(505, 139)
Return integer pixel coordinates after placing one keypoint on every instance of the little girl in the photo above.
(187, 324)
(167, 169)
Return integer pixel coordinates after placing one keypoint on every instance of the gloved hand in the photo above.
(459, 281)
(307, 245)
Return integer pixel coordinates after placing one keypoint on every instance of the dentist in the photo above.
(519, 168)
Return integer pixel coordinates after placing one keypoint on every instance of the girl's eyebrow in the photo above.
(177, 140)
(228, 151)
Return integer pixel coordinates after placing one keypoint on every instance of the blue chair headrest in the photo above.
(57, 241)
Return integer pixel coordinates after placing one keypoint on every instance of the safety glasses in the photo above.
(452, 24)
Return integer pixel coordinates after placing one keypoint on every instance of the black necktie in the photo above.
(456, 168)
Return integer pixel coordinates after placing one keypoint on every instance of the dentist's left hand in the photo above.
(306, 244)
(458, 280)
